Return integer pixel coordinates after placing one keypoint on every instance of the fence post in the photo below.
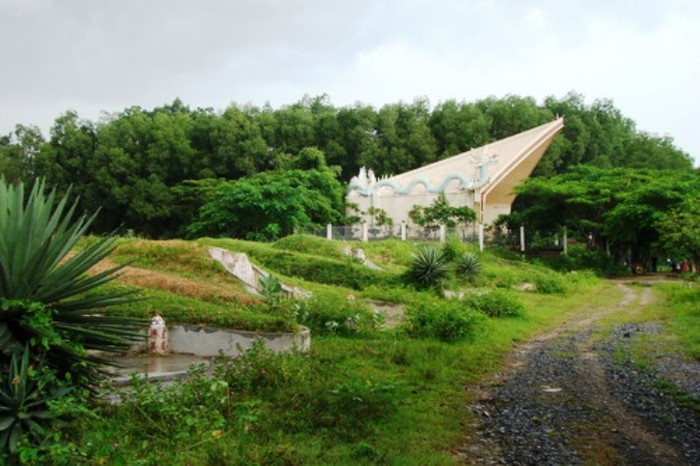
(522, 238)
(443, 230)
(481, 237)
(403, 230)
(365, 236)
(329, 231)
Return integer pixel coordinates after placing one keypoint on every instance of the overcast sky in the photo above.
(104, 55)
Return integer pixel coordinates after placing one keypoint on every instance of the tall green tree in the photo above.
(269, 205)
(679, 231)
(619, 210)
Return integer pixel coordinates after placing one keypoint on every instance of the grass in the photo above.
(371, 396)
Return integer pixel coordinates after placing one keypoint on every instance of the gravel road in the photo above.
(570, 397)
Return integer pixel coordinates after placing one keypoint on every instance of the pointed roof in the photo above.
(506, 162)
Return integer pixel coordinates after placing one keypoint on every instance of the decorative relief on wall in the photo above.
(366, 183)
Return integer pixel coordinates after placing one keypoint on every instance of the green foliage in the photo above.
(328, 313)
(270, 287)
(447, 321)
(185, 310)
(234, 415)
(581, 258)
(549, 283)
(452, 248)
(312, 268)
(495, 303)
(379, 217)
(261, 371)
(270, 205)
(33, 401)
(429, 267)
(469, 265)
(311, 245)
(377, 397)
(42, 290)
(440, 212)
(140, 164)
(623, 211)
(686, 315)
(680, 229)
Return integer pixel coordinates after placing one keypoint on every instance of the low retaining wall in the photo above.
(210, 341)
(191, 339)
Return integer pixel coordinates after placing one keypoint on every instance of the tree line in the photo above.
(639, 217)
(152, 170)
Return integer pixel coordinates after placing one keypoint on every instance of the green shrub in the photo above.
(443, 320)
(496, 303)
(579, 257)
(452, 248)
(549, 283)
(345, 406)
(469, 265)
(429, 268)
(261, 370)
(328, 313)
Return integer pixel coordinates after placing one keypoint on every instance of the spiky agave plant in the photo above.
(469, 265)
(45, 302)
(429, 267)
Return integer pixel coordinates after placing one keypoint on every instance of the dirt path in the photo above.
(570, 397)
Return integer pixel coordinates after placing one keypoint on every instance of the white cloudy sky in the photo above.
(105, 55)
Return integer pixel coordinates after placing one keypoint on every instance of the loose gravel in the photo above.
(568, 398)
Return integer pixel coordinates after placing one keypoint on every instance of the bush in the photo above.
(579, 257)
(469, 265)
(429, 268)
(452, 248)
(33, 402)
(549, 283)
(261, 370)
(334, 314)
(443, 320)
(496, 303)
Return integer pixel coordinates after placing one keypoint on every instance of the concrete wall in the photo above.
(200, 341)
(204, 341)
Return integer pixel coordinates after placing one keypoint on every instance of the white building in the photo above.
(482, 178)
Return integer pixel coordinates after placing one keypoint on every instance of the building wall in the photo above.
(482, 179)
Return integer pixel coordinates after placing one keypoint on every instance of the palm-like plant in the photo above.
(469, 265)
(44, 299)
(24, 404)
(429, 267)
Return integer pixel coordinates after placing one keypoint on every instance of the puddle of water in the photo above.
(154, 366)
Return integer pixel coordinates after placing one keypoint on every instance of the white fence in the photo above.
(470, 234)
(363, 232)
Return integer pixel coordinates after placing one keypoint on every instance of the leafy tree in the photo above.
(269, 205)
(440, 212)
(619, 210)
(132, 162)
(18, 152)
(679, 231)
(379, 217)
(458, 127)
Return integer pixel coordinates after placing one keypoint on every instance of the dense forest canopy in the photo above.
(638, 216)
(151, 170)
